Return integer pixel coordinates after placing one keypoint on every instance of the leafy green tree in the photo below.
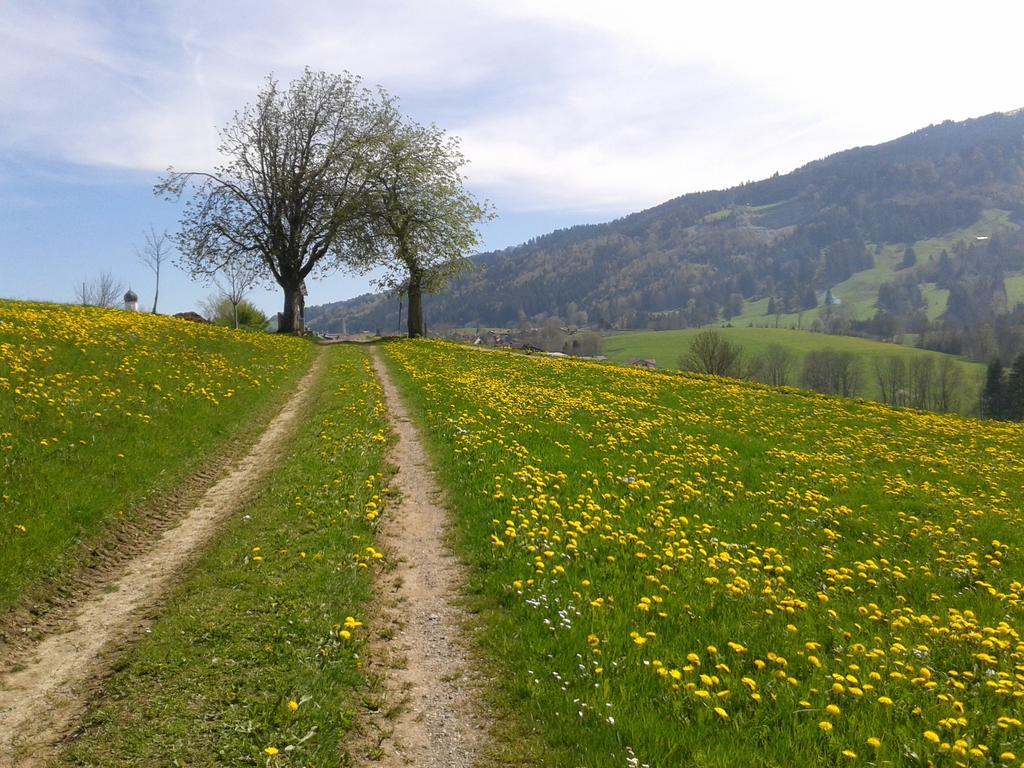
(423, 222)
(234, 280)
(808, 298)
(291, 194)
(733, 306)
(220, 310)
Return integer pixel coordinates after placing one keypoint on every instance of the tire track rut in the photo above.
(430, 716)
(42, 699)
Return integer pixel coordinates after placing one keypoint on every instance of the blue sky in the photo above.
(570, 112)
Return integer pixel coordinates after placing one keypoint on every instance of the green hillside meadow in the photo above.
(666, 347)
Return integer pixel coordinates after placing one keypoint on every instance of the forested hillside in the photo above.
(778, 247)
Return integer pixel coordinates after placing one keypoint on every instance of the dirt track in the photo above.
(41, 700)
(430, 716)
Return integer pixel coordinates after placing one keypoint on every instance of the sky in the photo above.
(569, 112)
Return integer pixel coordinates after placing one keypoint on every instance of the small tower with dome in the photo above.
(131, 301)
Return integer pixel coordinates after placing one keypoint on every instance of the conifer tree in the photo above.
(1015, 391)
(993, 394)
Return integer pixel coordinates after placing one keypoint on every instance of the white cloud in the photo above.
(594, 106)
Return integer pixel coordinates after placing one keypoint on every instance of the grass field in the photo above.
(679, 570)
(101, 410)
(257, 660)
(666, 347)
(1014, 290)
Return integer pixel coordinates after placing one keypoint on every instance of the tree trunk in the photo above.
(415, 322)
(291, 320)
(156, 295)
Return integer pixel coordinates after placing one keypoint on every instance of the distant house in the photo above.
(646, 363)
(490, 339)
(131, 301)
(192, 317)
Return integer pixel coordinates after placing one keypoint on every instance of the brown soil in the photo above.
(42, 697)
(430, 715)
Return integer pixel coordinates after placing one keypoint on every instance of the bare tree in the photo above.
(846, 367)
(102, 291)
(234, 280)
(920, 381)
(710, 352)
(832, 372)
(815, 374)
(891, 375)
(292, 192)
(778, 365)
(946, 386)
(154, 252)
(752, 367)
(551, 336)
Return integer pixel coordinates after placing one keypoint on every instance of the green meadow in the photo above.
(666, 347)
(681, 570)
(103, 412)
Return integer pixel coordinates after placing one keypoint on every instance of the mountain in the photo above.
(780, 246)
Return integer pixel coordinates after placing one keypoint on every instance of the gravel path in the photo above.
(430, 716)
(43, 697)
